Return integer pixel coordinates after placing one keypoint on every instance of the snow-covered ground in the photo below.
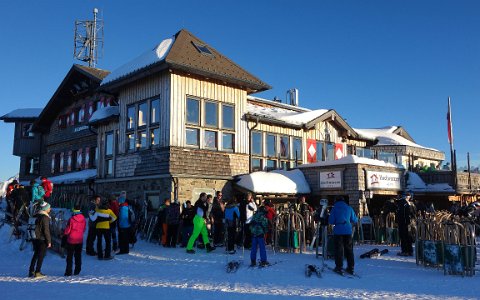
(151, 271)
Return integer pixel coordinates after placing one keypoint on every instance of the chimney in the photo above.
(292, 97)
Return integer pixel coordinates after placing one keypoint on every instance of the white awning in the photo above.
(275, 182)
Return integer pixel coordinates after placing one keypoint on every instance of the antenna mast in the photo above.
(88, 39)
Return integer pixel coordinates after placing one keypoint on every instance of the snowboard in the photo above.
(369, 254)
(312, 269)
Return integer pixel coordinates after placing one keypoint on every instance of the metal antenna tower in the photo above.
(88, 40)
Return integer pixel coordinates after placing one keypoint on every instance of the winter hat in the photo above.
(44, 206)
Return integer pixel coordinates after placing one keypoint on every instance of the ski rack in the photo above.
(289, 226)
(447, 242)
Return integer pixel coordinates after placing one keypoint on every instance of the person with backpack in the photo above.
(342, 216)
(47, 186)
(126, 219)
(173, 220)
(162, 216)
(74, 230)
(41, 240)
(103, 217)
(259, 227)
(232, 214)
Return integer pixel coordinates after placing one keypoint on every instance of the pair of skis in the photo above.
(374, 253)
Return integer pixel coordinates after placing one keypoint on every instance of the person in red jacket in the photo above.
(47, 187)
(270, 215)
(113, 204)
(74, 231)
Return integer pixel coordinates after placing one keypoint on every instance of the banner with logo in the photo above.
(331, 180)
(311, 150)
(383, 180)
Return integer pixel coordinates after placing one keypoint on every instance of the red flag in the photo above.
(449, 123)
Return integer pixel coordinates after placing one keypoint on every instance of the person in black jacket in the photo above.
(42, 240)
(200, 224)
(187, 215)
(405, 214)
(218, 215)
(92, 231)
(172, 219)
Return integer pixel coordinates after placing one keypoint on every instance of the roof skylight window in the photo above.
(202, 49)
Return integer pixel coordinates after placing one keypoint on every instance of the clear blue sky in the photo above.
(377, 63)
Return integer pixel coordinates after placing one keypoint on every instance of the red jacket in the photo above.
(270, 212)
(75, 229)
(114, 207)
(47, 186)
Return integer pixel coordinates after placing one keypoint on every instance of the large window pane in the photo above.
(192, 136)
(109, 144)
(284, 146)
(109, 167)
(130, 117)
(142, 139)
(257, 142)
(227, 141)
(297, 149)
(130, 141)
(227, 117)
(211, 114)
(330, 151)
(193, 112)
(271, 145)
(320, 151)
(256, 164)
(210, 139)
(142, 114)
(271, 164)
(387, 157)
(155, 136)
(155, 111)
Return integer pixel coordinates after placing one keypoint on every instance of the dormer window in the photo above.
(27, 130)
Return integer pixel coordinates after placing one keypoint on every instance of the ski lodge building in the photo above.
(182, 119)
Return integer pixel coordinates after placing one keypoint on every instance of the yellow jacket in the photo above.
(103, 218)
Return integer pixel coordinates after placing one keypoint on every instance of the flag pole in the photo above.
(453, 159)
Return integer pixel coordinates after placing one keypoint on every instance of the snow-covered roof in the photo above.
(284, 115)
(157, 54)
(386, 137)
(72, 177)
(352, 159)
(416, 184)
(23, 113)
(275, 182)
(104, 113)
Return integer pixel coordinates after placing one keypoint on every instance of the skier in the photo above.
(199, 225)
(162, 215)
(187, 215)
(103, 217)
(218, 210)
(232, 214)
(173, 220)
(258, 228)
(92, 233)
(250, 209)
(342, 216)
(74, 231)
(114, 206)
(405, 214)
(41, 241)
(125, 219)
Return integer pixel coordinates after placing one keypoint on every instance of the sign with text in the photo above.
(383, 180)
(331, 180)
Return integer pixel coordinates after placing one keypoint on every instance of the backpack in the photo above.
(31, 235)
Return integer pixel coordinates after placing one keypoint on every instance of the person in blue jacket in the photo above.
(342, 216)
(125, 219)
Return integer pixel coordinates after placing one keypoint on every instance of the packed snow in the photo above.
(386, 137)
(157, 54)
(352, 159)
(23, 113)
(416, 184)
(284, 115)
(154, 272)
(104, 113)
(79, 176)
(275, 182)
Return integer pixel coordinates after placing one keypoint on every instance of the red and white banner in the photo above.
(79, 159)
(339, 151)
(69, 161)
(87, 157)
(311, 151)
